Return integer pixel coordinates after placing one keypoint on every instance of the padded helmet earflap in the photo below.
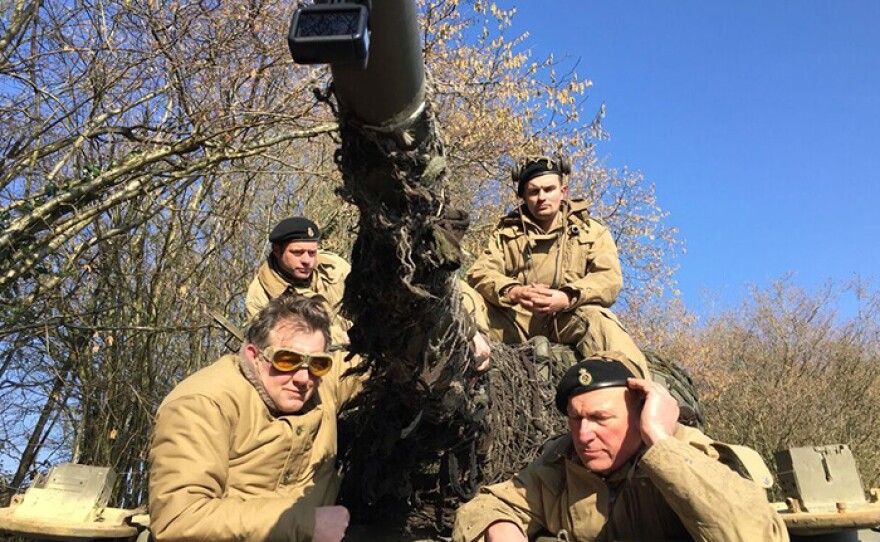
(514, 174)
(564, 164)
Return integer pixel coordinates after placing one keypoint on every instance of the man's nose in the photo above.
(586, 431)
(300, 376)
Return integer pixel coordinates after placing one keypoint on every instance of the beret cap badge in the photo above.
(584, 377)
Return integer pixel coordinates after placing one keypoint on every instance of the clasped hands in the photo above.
(539, 298)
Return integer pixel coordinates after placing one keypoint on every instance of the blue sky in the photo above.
(758, 122)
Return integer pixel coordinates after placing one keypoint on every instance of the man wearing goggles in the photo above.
(245, 448)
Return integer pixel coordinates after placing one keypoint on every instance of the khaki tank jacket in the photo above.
(225, 468)
(676, 490)
(327, 280)
(577, 255)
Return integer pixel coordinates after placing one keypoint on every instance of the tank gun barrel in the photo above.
(426, 405)
(391, 89)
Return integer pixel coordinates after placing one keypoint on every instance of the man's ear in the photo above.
(277, 251)
(251, 353)
(564, 190)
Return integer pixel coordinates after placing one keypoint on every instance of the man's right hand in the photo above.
(504, 531)
(330, 523)
(524, 296)
(515, 294)
(482, 353)
(659, 416)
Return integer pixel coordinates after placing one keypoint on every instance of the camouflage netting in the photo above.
(521, 417)
(418, 443)
(428, 429)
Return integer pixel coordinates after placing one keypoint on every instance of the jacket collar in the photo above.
(275, 281)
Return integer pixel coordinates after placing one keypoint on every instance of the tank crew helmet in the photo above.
(296, 228)
(601, 370)
(533, 166)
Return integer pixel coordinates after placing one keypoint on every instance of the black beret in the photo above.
(591, 374)
(295, 229)
(535, 168)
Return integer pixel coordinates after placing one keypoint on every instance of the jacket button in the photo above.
(299, 430)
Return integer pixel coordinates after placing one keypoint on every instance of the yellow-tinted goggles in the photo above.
(287, 360)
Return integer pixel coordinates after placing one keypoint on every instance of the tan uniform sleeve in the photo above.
(255, 299)
(520, 501)
(189, 465)
(333, 270)
(714, 503)
(339, 265)
(487, 276)
(603, 279)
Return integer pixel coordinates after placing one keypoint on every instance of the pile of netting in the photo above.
(428, 429)
(415, 478)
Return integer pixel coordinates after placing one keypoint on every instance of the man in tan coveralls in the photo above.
(550, 269)
(297, 265)
(245, 449)
(627, 471)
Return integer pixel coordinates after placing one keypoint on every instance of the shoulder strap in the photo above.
(745, 461)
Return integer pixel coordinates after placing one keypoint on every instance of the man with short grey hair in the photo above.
(625, 471)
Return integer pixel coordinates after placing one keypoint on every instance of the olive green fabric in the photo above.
(578, 256)
(327, 280)
(223, 467)
(678, 381)
(676, 490)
